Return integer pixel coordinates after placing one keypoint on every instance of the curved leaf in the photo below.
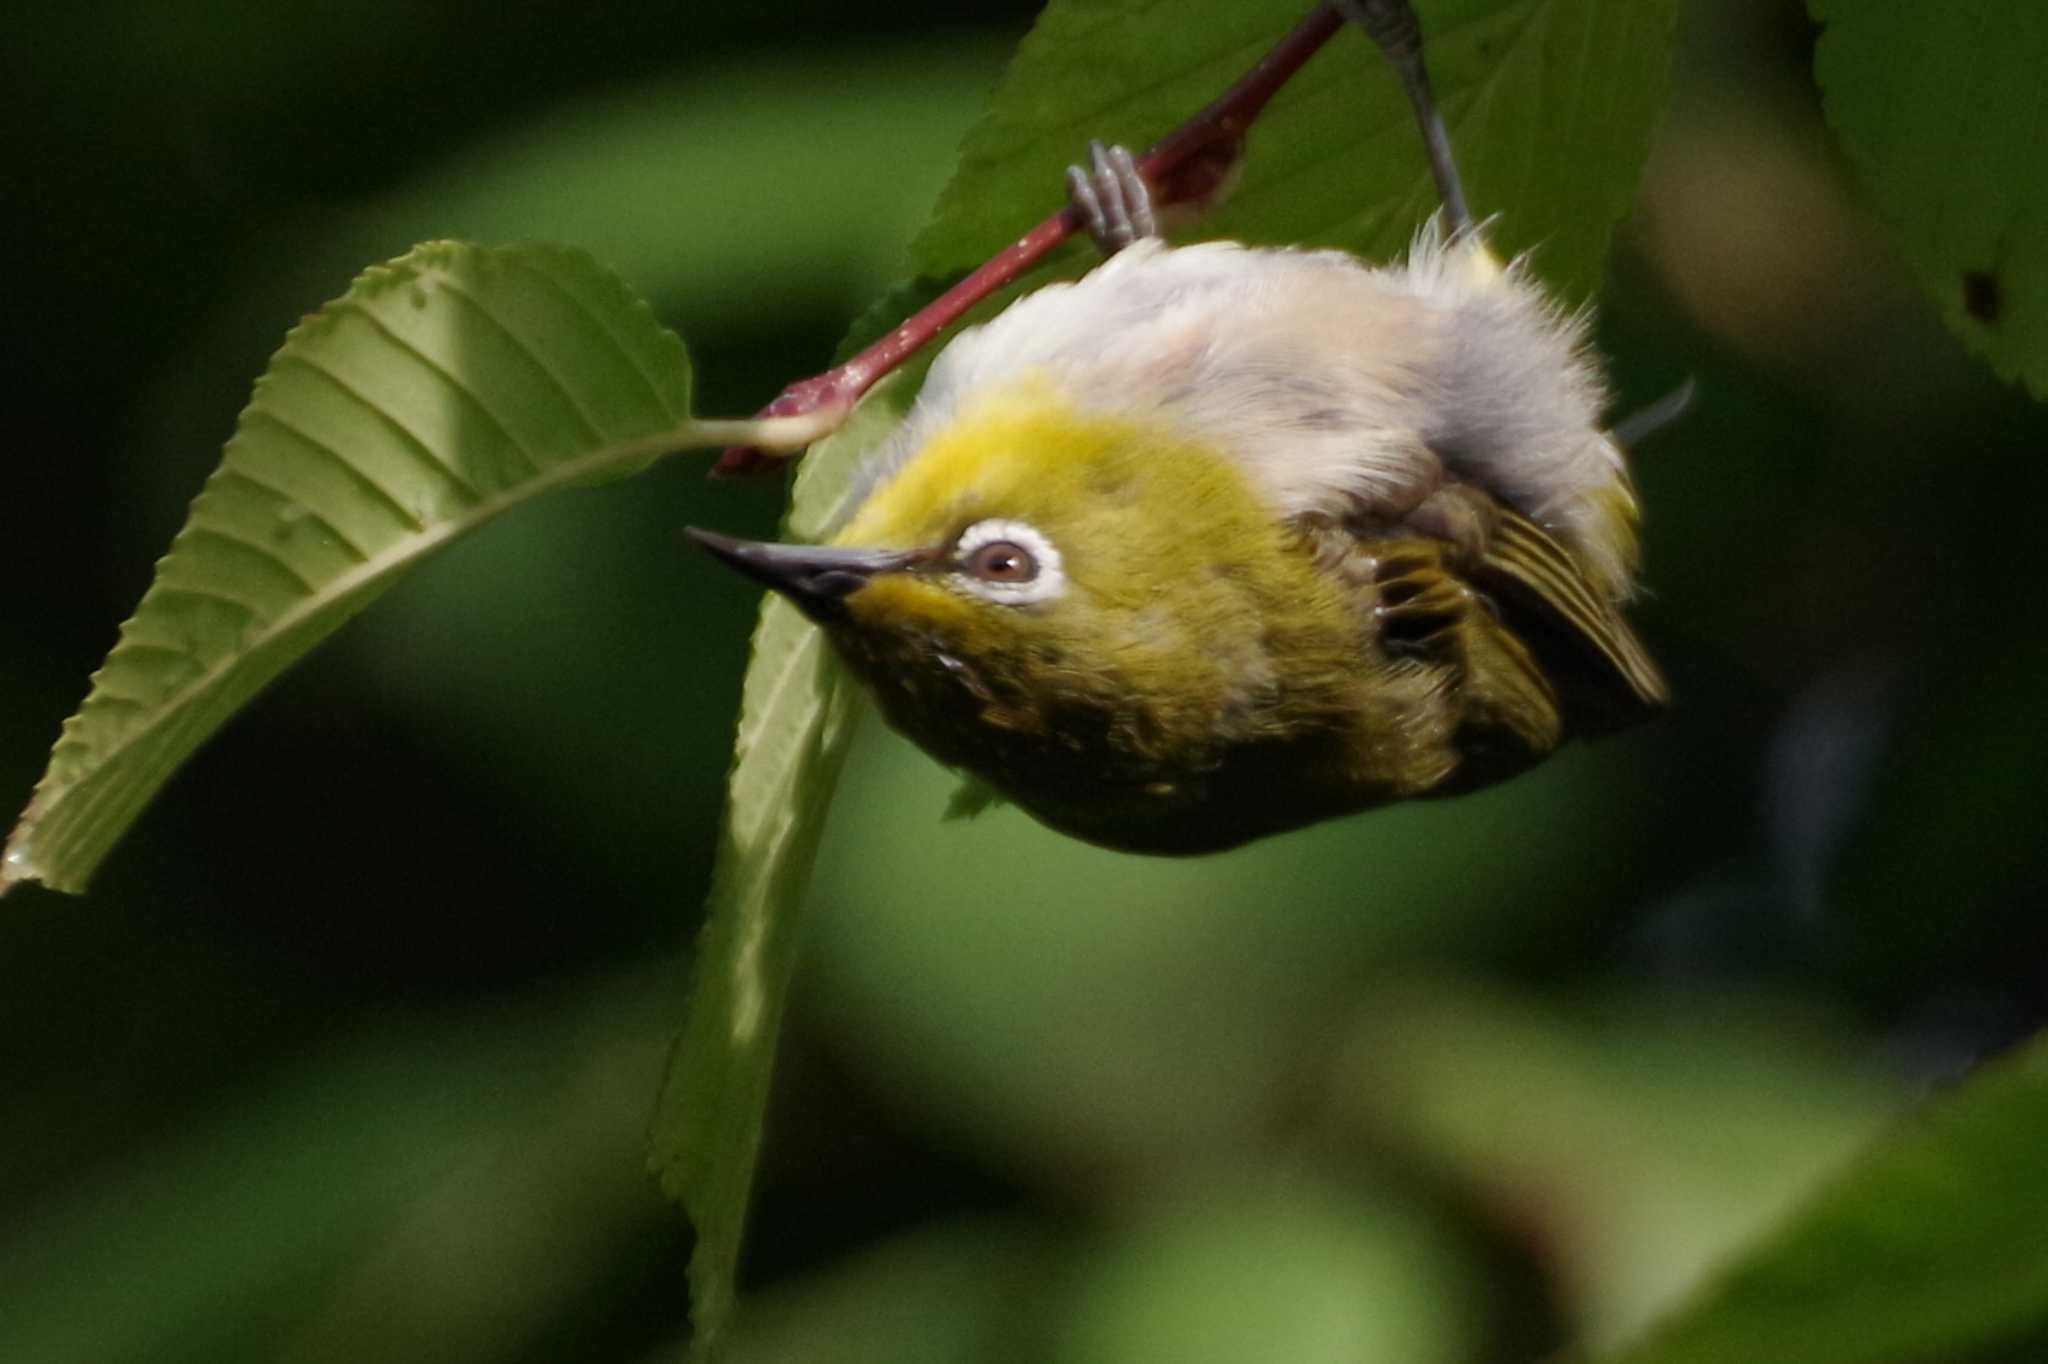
(1940, 109)
(1931, 1245)
(1550, 104)
(796, 710)
(444, 388)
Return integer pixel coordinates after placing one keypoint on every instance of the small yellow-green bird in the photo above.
(1220, 541)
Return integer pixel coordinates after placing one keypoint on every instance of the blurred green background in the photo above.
(350, 1052)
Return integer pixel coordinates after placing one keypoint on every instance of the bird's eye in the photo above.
(1002, 561)
(1011, 563)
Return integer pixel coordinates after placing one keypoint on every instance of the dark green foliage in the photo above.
(352, 1050)
(1940, 110)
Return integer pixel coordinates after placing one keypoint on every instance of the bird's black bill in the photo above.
(817, 578)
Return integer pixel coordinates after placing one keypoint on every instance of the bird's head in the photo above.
(1038, 580)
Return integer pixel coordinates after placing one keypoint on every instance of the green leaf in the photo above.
(1940, 109)
(1638, 1147)
(796, 710)
(1931, 1244)
(1550, 105)
(1290, 1266)
(444, 388)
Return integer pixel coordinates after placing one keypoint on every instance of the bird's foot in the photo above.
(1113, 198)
(1421, 606)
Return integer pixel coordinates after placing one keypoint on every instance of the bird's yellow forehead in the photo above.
(1024, 451)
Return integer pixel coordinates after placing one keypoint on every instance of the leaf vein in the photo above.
(441, 372)
(525, 348)
(131, 645)
(603, 323)
(200, 593)
(296, 509)
(198, 531)
(428, 455)
(326, 451)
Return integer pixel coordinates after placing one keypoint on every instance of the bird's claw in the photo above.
(1112, 197)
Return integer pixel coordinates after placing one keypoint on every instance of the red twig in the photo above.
(1188, 166)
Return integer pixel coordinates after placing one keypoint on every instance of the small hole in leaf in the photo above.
(1983, 298)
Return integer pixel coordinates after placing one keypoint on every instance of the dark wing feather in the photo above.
(1601, 669)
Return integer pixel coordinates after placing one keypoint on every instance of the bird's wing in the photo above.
(1541, 596)
(1600, 668)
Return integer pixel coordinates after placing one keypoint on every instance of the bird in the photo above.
(1219, 541)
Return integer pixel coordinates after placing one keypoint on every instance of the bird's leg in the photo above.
(1112, 198)
(1395, 29)
(1421, 604)
(1190, 165)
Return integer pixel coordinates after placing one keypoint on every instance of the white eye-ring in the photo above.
(1008, 562)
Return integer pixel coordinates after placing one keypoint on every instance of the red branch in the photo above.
(1188, 166)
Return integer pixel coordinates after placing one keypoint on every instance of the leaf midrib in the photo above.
(415, 545)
